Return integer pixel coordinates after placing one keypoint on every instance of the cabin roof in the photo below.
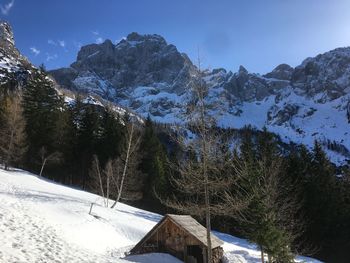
(195, 229)
(187, 223)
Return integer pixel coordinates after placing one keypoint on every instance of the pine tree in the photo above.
(153, 162)
(270, 219)
(321, 196)
(88, 138)
(41, 105)
(112, 130)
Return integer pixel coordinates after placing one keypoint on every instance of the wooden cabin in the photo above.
(181, 236)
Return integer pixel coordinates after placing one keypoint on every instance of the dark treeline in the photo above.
(62, 141)
(321, 192)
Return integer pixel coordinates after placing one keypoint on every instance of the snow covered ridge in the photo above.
(41, 221)
(13, 66)
(149, 76)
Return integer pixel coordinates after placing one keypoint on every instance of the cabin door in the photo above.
(194, 254)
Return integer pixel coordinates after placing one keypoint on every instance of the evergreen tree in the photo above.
(270, 217)
(68, 124)
(321, 197)
(88, 138)
(153, 162)
(111, 136)
(41, 105)
(65, 140)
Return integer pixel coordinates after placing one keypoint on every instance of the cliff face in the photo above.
(14, 68)
(109, 70)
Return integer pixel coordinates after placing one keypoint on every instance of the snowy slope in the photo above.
(41, 221)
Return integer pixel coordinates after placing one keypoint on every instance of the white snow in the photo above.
(327, 122)
(94, 54)
(42, 221)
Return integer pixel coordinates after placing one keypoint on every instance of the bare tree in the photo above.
(126, 166)
(97, 182)
(46, 157)
(109, 174)
(200, 178)
(12, 131)
(119, 176)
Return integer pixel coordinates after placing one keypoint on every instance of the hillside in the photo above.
(42, 221)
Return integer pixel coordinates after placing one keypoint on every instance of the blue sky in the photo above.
(258, 34)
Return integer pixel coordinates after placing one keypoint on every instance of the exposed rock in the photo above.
(14, 68)
(280, 116)
(281, 72)
(6, 35)
(327, 74)
(139, 60)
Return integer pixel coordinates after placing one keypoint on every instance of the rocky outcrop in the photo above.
(6, 35)
(281, 72)
(326, 75)
(14, 68)
(138, 60)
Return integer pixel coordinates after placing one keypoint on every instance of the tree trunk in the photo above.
(9, 151)
(107, 190)
(42, 167)
(203, 131)
(262, 255)
(208, 224)
(125, 167)
(100, 179)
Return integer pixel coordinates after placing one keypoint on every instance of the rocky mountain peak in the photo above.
(327, 74)
(6, 35)
(13, 66)
(137, 60)
(147, 37)
(281, 72)
(242, 70)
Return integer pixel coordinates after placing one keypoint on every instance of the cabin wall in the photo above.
(171, 239)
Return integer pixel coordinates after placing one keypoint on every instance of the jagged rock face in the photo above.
(327, 75)
(281, 72)
(138, 60)
(6, 35)
(14, 67)
(246, 86)
(279, 116)
(149, 76)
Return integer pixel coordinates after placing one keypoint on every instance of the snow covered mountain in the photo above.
(149, 76)
(14, 68)
(41, 221)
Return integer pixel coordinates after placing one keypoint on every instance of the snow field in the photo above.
(41, 221)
